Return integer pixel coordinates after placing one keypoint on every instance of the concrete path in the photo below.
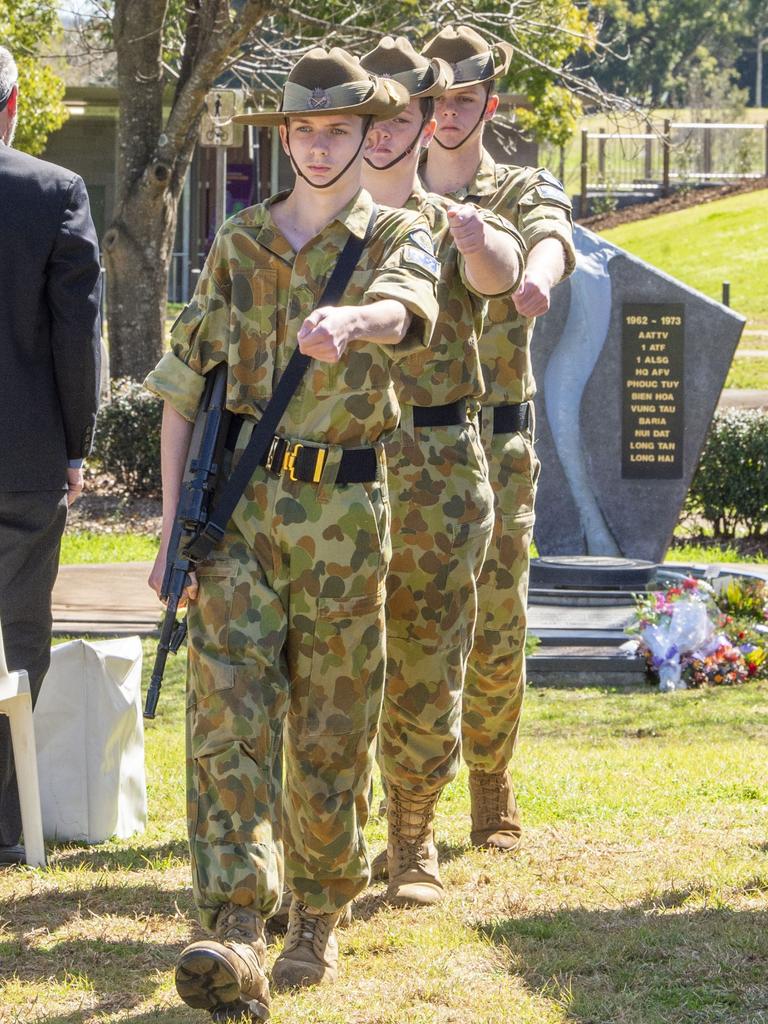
(743, 398)
(114, 600)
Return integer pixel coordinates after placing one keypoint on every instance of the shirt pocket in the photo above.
(252, 335)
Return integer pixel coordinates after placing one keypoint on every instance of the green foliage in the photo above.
(730, 488)
(557, 30)
(27, 26)
(127, 441)
(744, 599)
(666, 43)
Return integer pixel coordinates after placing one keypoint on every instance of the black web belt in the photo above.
(511, 419)
(302, 461)
(441, 415)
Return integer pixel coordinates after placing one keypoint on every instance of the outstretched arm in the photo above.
(493, 259)
(327, 331)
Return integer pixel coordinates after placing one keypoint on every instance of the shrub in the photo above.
(730, 487)
(127, 440)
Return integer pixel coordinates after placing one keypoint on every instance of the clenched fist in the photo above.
(532, 297)
(326, 332)
(467, 228)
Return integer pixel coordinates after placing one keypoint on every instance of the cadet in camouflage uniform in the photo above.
(286, 618)
(442, 501)
(534, 201)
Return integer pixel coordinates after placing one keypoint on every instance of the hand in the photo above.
(467, 228)
(326, 332)
(75, 484)
(158, 572)
(532, 297)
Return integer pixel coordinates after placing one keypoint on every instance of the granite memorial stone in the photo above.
(629, 364)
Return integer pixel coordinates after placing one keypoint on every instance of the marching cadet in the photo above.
(442, 501)
(286, 615)
(459, 167)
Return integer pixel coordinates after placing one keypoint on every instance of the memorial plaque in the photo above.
(653, 391)
(593, 499)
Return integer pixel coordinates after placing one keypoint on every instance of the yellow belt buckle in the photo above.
(289, 459)
(289, 462)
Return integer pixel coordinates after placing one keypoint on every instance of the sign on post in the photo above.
(216, 128)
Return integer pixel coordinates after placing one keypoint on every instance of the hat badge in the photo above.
(319, 98)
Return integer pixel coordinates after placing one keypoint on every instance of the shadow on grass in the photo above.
(54, 908)
(641, 963)
(135, 858)
(119, 972)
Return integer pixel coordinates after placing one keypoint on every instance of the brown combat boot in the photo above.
(495, 817)
(278, 923)
(224, 974)
(310, 955)
(414, 877)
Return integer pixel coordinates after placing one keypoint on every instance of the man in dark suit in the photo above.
(49, 385)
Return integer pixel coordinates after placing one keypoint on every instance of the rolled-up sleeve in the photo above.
(410, 275)
(545, 212)
(176, 383)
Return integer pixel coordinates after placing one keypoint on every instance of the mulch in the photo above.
(105, 507)
(678, 201)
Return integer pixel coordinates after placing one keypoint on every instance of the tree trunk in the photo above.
(153, 157)
(137, 251)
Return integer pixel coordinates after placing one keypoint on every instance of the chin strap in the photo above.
(473, 129)
(406, 152)
(343, 171)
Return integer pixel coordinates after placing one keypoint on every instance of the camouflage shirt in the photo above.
(255, 293)
(533, 200)
(450, 368)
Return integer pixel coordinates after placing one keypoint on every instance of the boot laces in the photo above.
(412, 817)
(236, 924)
(492, 793)
(310, 927)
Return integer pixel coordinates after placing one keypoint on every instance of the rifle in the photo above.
(198, 485)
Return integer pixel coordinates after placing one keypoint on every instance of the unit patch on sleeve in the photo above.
(549, 179)
(423, 239)
(557, 195)
(416, 257)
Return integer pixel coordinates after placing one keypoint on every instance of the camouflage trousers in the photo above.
(493, 692)
(442, 515)
(287, 648)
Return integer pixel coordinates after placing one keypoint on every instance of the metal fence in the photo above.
(658, 162)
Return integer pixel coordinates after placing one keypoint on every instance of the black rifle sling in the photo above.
(263, 432)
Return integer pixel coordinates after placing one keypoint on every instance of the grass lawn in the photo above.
(640, 896)
(706, 245)
(96, 548)
(748, 372)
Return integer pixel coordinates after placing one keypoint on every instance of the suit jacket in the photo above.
(49, 322)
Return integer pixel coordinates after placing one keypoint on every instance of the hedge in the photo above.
(127, 440)
(730, 487)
